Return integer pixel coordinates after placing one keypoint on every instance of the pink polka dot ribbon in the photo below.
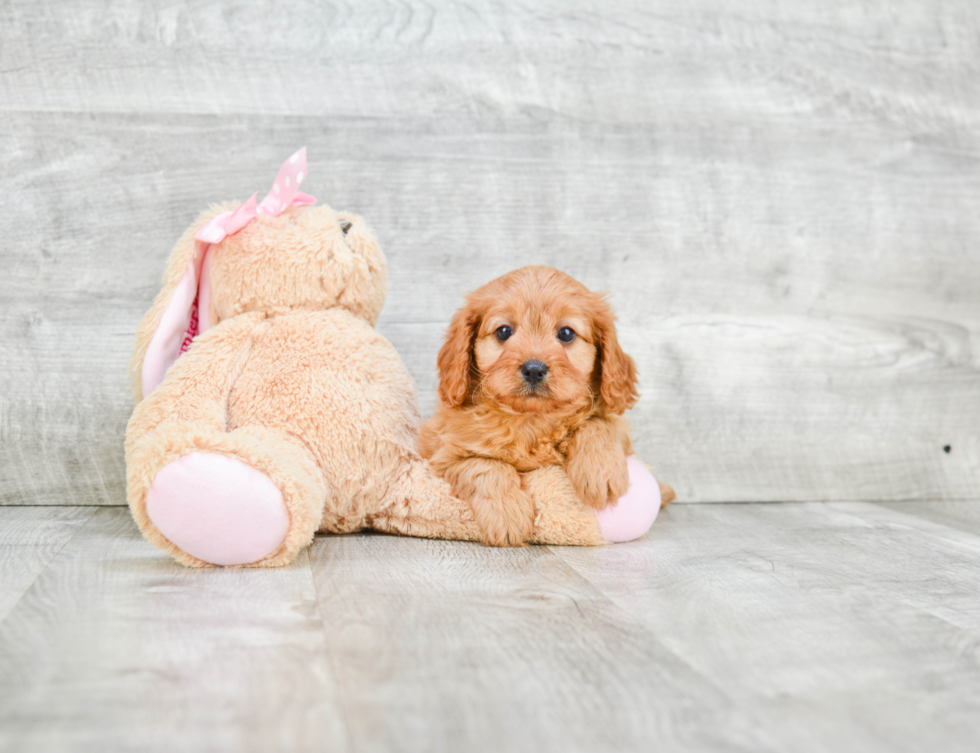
(284, 193)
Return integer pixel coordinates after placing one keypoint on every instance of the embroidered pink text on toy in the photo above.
(191, 332)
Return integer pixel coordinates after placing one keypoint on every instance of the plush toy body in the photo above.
(269, 408)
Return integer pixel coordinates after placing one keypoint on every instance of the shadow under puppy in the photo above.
(531, 374)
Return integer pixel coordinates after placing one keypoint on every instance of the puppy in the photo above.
(531, 374)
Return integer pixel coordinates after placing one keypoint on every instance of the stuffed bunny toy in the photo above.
(269, 408)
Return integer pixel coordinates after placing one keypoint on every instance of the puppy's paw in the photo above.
(599, 475)
(505, 520)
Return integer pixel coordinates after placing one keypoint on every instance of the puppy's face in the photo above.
(536, 352)
(535, 340)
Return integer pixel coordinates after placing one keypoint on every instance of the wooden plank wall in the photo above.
(783, 199)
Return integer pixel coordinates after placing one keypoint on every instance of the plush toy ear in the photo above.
(181, 310)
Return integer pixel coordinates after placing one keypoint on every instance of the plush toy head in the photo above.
(278, 255)
(305, 258)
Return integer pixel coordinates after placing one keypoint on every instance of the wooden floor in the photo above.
(755, 627)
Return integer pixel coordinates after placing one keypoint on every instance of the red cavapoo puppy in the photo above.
(531, 374)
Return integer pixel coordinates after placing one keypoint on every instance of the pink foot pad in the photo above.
(218, 509)
(635, 511)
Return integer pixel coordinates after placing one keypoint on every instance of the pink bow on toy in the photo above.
(188, 312)
(284, 193)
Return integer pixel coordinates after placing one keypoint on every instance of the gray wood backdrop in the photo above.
(783, 199)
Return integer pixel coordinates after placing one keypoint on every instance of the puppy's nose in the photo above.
(534, 371)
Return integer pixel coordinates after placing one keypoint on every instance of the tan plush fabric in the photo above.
(294, 381)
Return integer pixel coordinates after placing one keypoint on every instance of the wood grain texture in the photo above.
(962, 516)
(115, 646)
(848, 626)
(780, 199)
(464, 647)
(29, 538)
(812, 627)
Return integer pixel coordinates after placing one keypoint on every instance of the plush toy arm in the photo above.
(564, 519)
(423, 504)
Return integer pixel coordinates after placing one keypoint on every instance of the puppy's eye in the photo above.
(503, 333)
(566, 334)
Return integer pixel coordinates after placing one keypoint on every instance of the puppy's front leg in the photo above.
(596, 463)
(504, 511)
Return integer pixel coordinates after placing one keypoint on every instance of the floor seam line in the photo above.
(47, 564)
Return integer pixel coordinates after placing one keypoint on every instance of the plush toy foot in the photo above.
(218, 509)
(633, 513)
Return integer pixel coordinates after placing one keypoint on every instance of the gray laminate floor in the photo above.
(755, 627)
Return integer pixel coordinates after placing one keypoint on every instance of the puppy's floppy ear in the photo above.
(616, 370)
(456, 355)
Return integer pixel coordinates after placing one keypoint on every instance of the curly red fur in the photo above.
(616, 372)
(456, 356)
(493, 424)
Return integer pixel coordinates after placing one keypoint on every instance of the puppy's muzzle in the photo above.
(534, 372)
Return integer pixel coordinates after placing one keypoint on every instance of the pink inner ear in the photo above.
(187, 315)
